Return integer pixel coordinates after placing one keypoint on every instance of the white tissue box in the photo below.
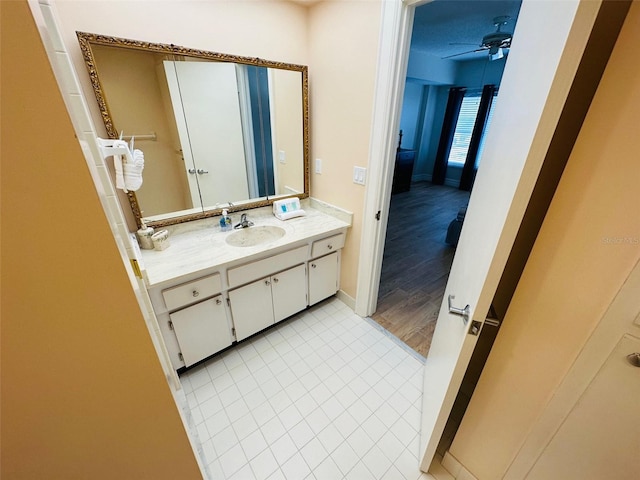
(287, 208)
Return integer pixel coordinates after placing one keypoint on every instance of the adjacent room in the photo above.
(459, 50)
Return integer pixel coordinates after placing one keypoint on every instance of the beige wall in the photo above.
(286, 95)
(83, 393)
(343, 61)
(588, 243)
(342, 69)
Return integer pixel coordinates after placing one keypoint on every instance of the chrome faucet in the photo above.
(244, 223)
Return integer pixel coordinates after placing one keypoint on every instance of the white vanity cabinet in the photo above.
(260, 304)
(324, 268)
(208, 295)
(197, 326)
(323, 277)
(201, 330)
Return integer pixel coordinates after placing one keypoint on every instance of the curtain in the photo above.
(470, 164)
(454, 102)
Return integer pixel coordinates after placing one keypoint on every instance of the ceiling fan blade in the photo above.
(464, 53)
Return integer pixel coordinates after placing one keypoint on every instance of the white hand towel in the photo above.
(117, 163)
(133, 171)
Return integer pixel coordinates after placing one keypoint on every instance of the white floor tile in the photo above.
(264, 465)
(233, 460)
(360, 442)
(330, 438)
(314, 453)
(283, 449)
(323, 396)
(273, 430)
(237, 410)
(301, 434)
(377, 463)
(345, 457)
(244, 426)
(327, 470)
(245, 473)
(359, 472)
(224, 441)
(295, 467)
(253, 444)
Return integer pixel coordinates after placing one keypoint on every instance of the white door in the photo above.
(532, 93)
(205, 101)
(515, 147)
(289, 291)
(323, 277)
(251, 308)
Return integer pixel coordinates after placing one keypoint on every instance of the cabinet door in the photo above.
(323, 277)
(251, 308)
(289, 292)
(201, 330)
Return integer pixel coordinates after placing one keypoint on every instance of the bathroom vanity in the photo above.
(209, 293)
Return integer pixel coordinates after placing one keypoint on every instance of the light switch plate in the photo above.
(359, 175)
(282, 156)
(318, 165)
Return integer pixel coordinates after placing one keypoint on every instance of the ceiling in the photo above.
(440, 23)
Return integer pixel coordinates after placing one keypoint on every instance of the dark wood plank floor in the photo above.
(417, 261)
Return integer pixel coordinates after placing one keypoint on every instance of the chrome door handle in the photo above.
(201, 171)
(192, 171)
(463, 312)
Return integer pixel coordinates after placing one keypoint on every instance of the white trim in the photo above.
(393, 55)
(348, 300)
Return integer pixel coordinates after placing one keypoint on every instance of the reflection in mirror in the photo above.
(215, 129)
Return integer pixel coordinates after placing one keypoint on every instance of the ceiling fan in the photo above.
(493, 42)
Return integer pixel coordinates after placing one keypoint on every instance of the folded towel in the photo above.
(117, 164)
(133, 171)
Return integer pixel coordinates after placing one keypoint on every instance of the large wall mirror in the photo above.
(217, 131)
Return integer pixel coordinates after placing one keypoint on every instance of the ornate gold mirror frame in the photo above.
(86, 41)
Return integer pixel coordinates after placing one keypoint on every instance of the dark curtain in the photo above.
(454, 102)
(470, 164)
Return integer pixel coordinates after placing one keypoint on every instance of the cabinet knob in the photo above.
(218, 301)
(313, 265)
(275, 280)
(267, 282)
(330, 247)
(195, 293)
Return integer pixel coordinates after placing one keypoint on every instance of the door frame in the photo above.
(396, 26)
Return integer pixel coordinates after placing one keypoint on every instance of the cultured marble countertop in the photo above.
(200, 245)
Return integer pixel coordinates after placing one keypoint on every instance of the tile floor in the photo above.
(325, 395)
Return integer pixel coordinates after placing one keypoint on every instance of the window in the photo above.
(464, 128)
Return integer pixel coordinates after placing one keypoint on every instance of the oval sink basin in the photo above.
(252, 236)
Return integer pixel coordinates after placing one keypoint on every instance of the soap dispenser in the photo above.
(144, 236)
(225, 221)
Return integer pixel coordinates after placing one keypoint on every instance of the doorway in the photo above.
(461, 46)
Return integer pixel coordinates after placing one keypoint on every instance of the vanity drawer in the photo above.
(267, 266)
(327, 245)
(187, 293)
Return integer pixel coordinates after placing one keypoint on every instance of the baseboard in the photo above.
(346, 299)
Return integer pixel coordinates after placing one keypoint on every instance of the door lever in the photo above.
(463, 312)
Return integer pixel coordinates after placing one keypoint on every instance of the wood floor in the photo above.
(417, 261)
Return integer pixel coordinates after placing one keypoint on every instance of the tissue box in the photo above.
(287, 208)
